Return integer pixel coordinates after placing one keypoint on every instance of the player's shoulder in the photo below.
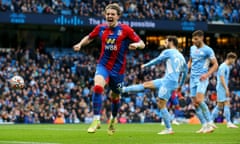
(224, 65)
(102, 25)
(208, 48)
(221, 65)
(124, 26)
(193, 47)
(166, 51)
(169, 52)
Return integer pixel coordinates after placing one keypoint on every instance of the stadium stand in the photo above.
(59, 87)
(59, 83)
(186, 10)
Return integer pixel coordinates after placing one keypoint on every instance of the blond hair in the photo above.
(115, 7)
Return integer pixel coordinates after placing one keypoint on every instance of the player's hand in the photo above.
(204, 77)
(77, 47)
(227, 93)
(133, 46)
(142, 66)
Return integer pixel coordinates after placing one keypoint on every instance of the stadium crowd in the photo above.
(227, 11)
(58, 89)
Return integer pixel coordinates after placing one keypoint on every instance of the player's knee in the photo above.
(115, 98)
(220, 105)
(98, 89)
(195, 103)
(162, 103)
(227, 103)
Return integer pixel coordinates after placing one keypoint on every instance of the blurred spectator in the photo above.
(187, 10)
(55, 89)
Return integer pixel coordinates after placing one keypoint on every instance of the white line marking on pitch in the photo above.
(25, 142)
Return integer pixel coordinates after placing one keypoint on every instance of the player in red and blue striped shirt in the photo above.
(116, 39)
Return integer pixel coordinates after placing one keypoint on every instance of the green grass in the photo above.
(125, 134)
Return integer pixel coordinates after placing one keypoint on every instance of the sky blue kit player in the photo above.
(223, 71)
(176, 68)
(201, 56)
(223, 92)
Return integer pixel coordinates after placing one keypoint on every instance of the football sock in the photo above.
(227, 113)
(205, 111)
(215, 113)
(97, 99)
(134, 88)
(200, 116)
(166, 117)
(115, 107)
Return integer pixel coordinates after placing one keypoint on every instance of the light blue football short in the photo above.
(165, 88)
(198, 86)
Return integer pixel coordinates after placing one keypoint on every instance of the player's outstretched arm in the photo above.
(163, 56)
(86, 40)
(135, 45)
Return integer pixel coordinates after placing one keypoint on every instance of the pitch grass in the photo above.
(125, 134)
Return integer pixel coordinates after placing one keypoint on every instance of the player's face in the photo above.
(167, 44)
(111, 17)
(197, 41)
(232, 61)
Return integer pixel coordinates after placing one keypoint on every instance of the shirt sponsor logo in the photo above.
(110, 44)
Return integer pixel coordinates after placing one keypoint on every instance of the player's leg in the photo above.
(198, 110)
(201, 89)
(227, 115)
(164, 93)
(140, 87)
(136, 87)
(115, 84)
(173, 103)
(115, 99)
(216, 110)
(165, 116)
(99, 83)
(221, 97)
(200, 115)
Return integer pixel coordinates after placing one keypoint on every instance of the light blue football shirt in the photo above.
(200, 60)
(223, 70)
(175, 64)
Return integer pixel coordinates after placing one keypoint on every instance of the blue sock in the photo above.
(134, 88)
(97, 100)
(97, 103)
(227, 113)
(215, 113)
(115, 107)
(205, 111)
(166, 117)
(200, 116)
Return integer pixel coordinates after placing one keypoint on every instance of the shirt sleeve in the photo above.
(191, 52)
(211, 54)
(132, 34)
(162, 57)
(95, 32)
(222, 71)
